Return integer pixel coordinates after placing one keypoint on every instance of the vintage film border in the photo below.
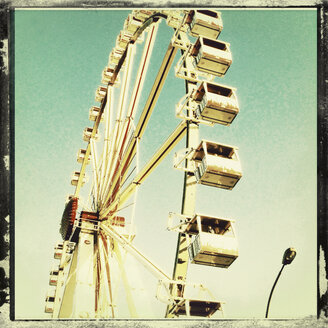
(7, 161)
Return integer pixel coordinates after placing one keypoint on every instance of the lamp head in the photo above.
(289, 255)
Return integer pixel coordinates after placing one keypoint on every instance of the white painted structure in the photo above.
(95, 235)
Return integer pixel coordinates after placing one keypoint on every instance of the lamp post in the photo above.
(288, 258)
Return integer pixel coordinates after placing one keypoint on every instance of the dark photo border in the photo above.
(7, 163)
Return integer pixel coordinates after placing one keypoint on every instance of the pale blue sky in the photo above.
(59, 57)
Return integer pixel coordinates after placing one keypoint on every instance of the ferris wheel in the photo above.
(95, 235)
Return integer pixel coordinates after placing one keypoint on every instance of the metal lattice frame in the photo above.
(84, 272)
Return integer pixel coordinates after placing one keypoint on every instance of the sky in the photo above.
(59, 58)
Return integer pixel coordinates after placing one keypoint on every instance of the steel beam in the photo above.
(144, 118)
(160, 154)
(127, 245)
(188, 204)
(79, 295)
